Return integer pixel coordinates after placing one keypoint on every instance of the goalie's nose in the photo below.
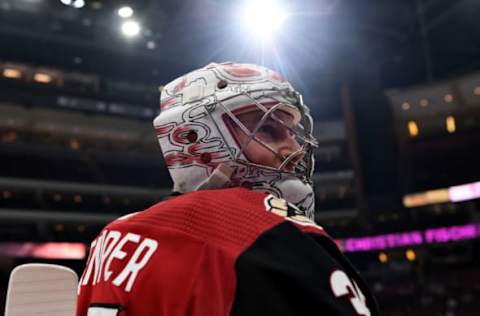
(291, 151)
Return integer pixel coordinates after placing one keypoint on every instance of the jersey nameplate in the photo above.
(110, 247)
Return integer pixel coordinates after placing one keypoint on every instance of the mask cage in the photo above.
(283, 112)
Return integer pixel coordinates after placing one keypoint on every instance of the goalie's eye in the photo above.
(269, 132)
(272, 131)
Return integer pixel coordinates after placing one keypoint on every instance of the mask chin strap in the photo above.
(219, 177)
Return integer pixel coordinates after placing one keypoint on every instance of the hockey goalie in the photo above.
(237, 236)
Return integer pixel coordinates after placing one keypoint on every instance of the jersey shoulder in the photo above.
(231, 218)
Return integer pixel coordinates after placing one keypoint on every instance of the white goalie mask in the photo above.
(218, 123)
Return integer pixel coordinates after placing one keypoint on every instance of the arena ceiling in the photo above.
(409, 41)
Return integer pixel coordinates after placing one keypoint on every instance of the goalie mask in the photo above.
(229, 125)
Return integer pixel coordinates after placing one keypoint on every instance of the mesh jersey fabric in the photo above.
(181, 256)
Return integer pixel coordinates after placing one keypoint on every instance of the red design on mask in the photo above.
(163, 130)
(180, 85)
(275, 76)
(179, 159)
(167, 102)
(180, 135)
(241, 71)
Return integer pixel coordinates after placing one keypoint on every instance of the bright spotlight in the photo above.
(264, 17)
(125, 12)
(130, 28)
(74, 3)
(79, 4)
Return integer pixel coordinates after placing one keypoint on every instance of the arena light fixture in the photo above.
(424, 102)
(413, 128)
(406, 106)
(12, 73)
(382, 257)
(130, 28)
(151, 45)
(448, 98)
(74, 3)
(125, 12)
(78, 4)
(42, 77)
(264, 18)
(450, 124)
(410, 255)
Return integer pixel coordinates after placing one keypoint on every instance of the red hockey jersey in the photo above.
(219, 252)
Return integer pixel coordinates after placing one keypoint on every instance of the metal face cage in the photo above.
(280, 115)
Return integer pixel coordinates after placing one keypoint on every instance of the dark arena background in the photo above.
(394, 88)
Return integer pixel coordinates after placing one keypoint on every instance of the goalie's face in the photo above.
(269, 139)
